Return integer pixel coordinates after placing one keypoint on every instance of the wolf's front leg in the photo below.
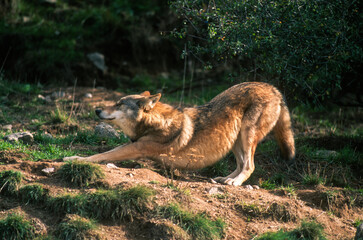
(125, 152)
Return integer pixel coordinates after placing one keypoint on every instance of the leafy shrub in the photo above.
(79, 173)
(9, 182)
(14, 227)
(306, 46)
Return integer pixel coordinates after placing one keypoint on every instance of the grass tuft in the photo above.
(113, 205)
(15, 226)
(313, 180)
(307, 230)
(76, 228)
(9, 182)
(80, 174)
(199, 225)
(73, 204)
(33, 194)
(118, 205)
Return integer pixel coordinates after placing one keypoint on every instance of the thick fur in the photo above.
(194, 138)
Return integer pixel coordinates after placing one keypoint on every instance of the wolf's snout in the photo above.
(98, 112)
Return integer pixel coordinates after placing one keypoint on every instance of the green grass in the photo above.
(83, 137)
(76, 228)
(80, 174)
(9, 182)
(33, 194)
(113, 205)
(199, 225)
(313, 180)
(68, 203)
(220, 168)
(268, 184)
(307, 231)
(15, 227)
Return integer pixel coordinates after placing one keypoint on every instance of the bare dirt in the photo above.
(278, 208)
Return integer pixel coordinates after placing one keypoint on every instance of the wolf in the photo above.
(196, 137)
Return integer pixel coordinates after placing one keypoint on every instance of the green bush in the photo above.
(14, 227)
(9, 182)
(305, 46)
(80, 174)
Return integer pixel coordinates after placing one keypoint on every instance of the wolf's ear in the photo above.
(145, 94)
(149, 102)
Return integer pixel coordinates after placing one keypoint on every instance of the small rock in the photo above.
(88, 95)
(48, 99)
(8, 127)
(130, 175)
(325, 154)
(255, 187)
(34, 121)
(26, 137)
(58, 94)
(48, 171)
(359, 233)
(215, 190)
(213, 181)
(98, 60)
(48, 136)
(106, 130)
(111, 165)
(249, 187)
(41, 97)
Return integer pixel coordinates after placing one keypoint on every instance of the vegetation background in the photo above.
(312, 50)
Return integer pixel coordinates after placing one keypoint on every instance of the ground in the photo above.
(284, 199)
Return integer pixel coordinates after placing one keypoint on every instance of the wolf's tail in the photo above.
(284, 134)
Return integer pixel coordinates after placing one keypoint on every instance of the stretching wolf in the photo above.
(197, 137)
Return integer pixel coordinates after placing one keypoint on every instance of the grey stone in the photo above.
(98, 60)
(215, 190)
(48, 99)
(359, 233)
(255, 187)
(8, 127)
(88, 95)
(111, 165)
(26, 137)
(58, 94)
(41, 97)
(249, 187)
(325, 154)
(48, 136)
(48, 171)
(106, 130)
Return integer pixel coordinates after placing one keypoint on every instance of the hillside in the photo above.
(324, 186)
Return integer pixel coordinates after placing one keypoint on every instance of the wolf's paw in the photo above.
(227, 181)
(73, 158)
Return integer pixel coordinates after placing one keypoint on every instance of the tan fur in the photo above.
(194, 138)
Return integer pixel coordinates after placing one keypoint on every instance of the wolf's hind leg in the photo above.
(238, 153)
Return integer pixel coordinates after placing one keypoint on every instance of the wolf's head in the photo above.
(128, 111)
